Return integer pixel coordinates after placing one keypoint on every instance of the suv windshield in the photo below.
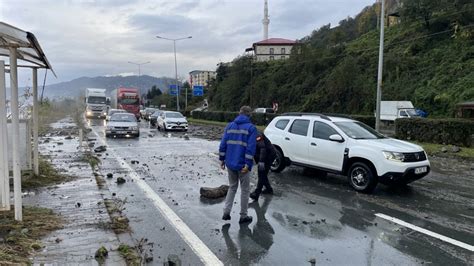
(358, 130)
(96, 100)
(174, 115)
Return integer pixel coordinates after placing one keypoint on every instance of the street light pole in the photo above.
(379, 74)
(139, 65)
(175, 65)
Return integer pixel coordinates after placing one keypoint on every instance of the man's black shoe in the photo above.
(226, 217)
(267, 191)
(246, 219)
(254, 196)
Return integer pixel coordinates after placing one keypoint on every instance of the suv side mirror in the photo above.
(336, 138)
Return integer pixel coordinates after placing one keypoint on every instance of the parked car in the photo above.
(122, 124)
(347, 147)
(264, 110)
(154, 117)
(114, 111)
(142, 111)
(149, 111)
(169, 120)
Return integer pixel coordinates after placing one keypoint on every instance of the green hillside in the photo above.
(428, 59)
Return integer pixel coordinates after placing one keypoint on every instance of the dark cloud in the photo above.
(160, 24)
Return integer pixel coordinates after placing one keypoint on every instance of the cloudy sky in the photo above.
(99, 37)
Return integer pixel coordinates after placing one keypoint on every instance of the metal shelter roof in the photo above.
(27, 47)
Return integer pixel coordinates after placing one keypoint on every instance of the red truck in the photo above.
(127, 99)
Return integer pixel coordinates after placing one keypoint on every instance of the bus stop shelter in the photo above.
(18, 49)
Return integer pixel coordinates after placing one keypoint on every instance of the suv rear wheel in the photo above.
(279, 163)
(361, 177)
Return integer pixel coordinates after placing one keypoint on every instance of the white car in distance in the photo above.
(169, 120)
(347, 147)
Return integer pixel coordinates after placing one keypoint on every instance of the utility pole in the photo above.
(379, 74)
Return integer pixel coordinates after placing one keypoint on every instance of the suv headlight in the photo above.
(134, 128)
(394, 156)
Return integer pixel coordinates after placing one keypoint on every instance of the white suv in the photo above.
(345, 146)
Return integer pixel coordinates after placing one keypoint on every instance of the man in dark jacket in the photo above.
(264, 155)
(236, 151)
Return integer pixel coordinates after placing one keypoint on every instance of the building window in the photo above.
(283, 51)
(272, 57)
(283, 57)
(272, 51)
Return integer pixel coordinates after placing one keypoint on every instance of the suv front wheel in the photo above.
(362, 178)
(279, 163)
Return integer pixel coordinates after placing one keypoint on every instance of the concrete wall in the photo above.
(263, 52)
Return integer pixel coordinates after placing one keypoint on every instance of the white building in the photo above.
(201, 77)
(272, 49)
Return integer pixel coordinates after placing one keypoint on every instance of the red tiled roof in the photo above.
(272, 41)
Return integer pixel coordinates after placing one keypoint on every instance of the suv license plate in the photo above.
(421, 170)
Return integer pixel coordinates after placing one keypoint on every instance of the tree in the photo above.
(419, 9)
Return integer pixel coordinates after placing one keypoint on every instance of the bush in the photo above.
(442, 131)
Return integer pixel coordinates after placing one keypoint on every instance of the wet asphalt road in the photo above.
(309, 217)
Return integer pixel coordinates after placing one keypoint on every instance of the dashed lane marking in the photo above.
(426, 232)
(195, 243)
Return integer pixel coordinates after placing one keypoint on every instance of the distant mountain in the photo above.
(76, 87)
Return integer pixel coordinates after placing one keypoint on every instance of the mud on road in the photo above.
(310, 218)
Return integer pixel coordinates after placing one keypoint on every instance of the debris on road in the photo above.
(135, 162)
(100, 149)
(214, 193)
(121, 180)
(101, 254)
(110, 175)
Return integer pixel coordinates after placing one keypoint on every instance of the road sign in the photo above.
(172, 90)
(198, 90)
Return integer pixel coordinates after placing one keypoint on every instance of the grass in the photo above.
(48, 176)
(119, 223)
(21, 239)
(215, 123)
(130, 255)
(91, 159)
(435, 149)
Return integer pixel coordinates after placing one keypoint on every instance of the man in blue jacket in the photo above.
(236, 151)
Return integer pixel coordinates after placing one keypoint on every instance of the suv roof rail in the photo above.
(308, 114)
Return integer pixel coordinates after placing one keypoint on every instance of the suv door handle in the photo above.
(313, 144)
(287, 138)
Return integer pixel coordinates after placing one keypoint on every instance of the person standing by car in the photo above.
(264, 155)
(236, 152)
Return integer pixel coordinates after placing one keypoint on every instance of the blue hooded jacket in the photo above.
(238, 145)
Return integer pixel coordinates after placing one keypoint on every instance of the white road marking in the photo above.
(199, 248)
(426, 232)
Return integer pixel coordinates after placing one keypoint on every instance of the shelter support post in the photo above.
(15, 134)
(29, 152)
(35, 121)
(4, 173)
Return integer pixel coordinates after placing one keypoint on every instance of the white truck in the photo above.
(96, 103)
(391, 110)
